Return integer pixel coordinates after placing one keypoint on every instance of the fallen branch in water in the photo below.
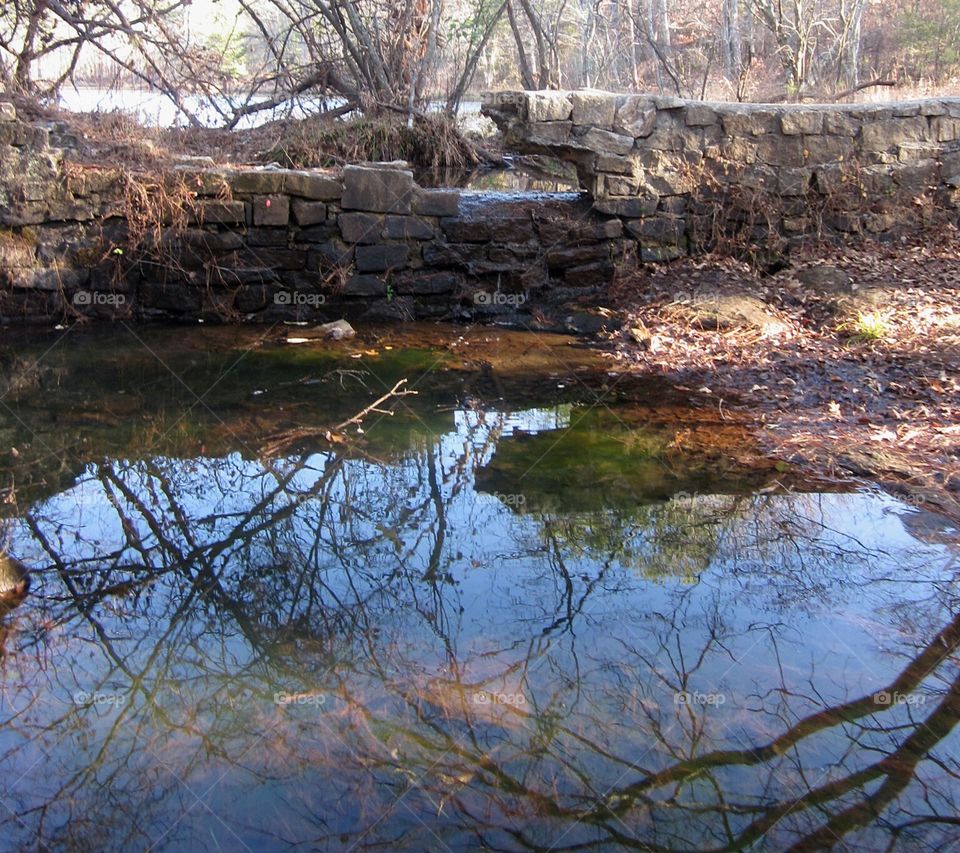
(282, 441)
(393, 392)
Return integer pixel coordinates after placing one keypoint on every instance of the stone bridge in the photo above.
(684, 175)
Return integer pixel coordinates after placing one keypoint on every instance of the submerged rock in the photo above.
(14, 582)
(336, 330)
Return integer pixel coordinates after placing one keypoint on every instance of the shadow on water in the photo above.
(501, 623)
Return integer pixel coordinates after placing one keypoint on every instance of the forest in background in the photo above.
(240, 57)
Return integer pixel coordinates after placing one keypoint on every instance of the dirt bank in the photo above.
(847, 361)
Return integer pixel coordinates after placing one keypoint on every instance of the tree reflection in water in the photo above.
(335, 652)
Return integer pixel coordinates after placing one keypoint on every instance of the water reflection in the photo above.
(446, 650)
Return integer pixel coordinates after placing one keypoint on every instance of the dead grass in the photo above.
(433, 142)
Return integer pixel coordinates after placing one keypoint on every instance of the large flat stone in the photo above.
(319, 233)
(882, 135)
(827, 149)
(437, 254)
(511, 229)
(465, 230)
(593, 109)
(429, 284)
(617, 164)
(699, 115)
(548, 106)
(312, 185)
(628, 207)
(606, 142)
(365, 285)
(749, 121)
(258, 181)
(550, 132)
(380, 190)
(658, 229)
(778, 150)
(621, 185)
(565, 257)
(840, 124)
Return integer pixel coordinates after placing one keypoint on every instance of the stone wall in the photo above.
(271, 244)
(661, 177)
(686, 175)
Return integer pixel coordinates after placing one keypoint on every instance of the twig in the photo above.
(836, 96)
(846, 93)
(393, 392)
(282, 440)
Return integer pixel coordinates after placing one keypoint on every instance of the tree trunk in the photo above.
(22, 77)
(732, 48)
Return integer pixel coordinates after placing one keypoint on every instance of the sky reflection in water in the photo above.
(437, 651)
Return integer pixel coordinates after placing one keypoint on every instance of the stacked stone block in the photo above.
(667, 166)
(270, 244)
(659, 175)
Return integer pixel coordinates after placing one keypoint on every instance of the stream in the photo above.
(537, 605)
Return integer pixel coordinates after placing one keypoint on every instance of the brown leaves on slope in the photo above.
(848, 359)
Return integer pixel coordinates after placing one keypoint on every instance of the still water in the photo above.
(538, 607)
(154, 109)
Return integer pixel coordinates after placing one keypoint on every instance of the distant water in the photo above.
(154, 109)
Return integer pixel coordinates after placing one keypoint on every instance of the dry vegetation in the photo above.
(849, 359)
(431, 142)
